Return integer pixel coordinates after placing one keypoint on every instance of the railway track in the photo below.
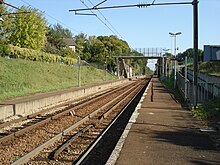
(62, 138)
(14, 128)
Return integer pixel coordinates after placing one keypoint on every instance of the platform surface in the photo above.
(164, 133)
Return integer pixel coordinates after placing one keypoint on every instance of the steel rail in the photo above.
(65, 145)
(103, 116)
(83, 157)
(37, 150)
(45, 110)
(56, 116)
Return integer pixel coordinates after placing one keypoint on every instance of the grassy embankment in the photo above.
(212, 68)
(21, 77)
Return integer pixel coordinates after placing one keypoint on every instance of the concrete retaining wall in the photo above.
(30, 105)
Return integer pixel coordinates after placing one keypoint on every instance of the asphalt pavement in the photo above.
(165, 133)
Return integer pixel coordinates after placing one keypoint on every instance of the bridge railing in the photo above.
(151, 52)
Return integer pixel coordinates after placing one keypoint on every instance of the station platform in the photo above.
(164, 133)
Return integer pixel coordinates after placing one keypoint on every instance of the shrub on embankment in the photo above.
(33, 55)
(21, 77)
(211, 67)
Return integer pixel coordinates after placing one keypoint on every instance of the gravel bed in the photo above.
(100, 154)
(11, 151)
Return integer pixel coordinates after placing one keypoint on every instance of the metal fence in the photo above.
(206, 90)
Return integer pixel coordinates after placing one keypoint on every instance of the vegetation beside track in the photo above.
(21, 77)
(211, 67)
(209, 111)
(170, 85)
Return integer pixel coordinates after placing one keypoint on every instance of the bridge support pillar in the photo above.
(166, 67)
(162, 66)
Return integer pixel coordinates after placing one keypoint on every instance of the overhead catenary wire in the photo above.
(99, 3)
(97, 17)
(101, 19)
(2, 2)
(52, 17)
(153, 1)
(12, 6)
(141, 5)
(107, 19)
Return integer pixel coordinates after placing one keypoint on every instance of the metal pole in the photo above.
(162, 66)
(174, 35)
(105, 70)
(166, 67)
(185, 91)
(174, 62)
(106, 67)
(158, 70)
(170, 68)
(118, 68)
(79, 72)
(195, 77)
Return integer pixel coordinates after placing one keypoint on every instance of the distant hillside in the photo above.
(21, 77)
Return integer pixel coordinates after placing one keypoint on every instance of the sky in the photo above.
(140, 27)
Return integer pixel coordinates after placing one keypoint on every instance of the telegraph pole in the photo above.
(195, 75)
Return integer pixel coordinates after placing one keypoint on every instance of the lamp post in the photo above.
(174, 35)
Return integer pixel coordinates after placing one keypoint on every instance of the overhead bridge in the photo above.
(138, 57)
(146, 53)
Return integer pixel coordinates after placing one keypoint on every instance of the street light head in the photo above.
(175, 34)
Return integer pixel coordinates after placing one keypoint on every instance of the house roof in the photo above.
(69, 41)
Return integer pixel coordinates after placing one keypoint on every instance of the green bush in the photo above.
(34, 55)
(209, 111)
(4, 50)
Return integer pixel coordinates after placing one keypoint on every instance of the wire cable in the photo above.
(98, 17)
(107, 21)
(153, 1)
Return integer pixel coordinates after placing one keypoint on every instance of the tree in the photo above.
(139, 65)
(190, 54)
(29, 29)
(104, 48)
(56, 44)
(169, 55)
(5, 24)
(80, 40)
(56, 35)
